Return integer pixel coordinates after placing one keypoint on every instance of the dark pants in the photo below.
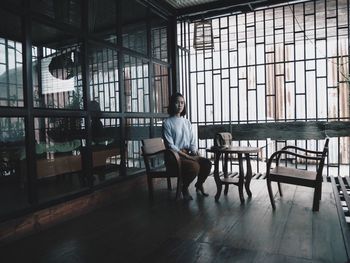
(200, 168)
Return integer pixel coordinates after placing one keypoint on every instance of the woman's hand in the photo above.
(186, 154)
(195, 153)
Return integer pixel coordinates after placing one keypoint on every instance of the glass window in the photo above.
(67, 11)
(159, 41)
(11, 27)
(136, 129)
(137, 94)
(104, 84)
(103, 19)
(11, 64)
(59, 156)
(161, 88)
(106, 149)
(134, 27)
(13, 176)
(135, 37)
(158, 127)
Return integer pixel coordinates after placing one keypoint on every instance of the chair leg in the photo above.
(268, 182)
(178, 189)
(169, 183)
(279, 188)
(316, 201)
(320, 191)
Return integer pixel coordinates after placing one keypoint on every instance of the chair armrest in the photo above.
(276, 155)
(175, 155)
(301, 149)
(152, 154)
(303, 156)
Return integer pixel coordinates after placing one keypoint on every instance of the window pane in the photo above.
(134, 27)
(106, 149)
(57, 77)
(104, 84)
(103, 18)
(137, 94)
(13, 176)
(67, 11)
(59, 146)
(159, 40)
(11, 65)
(135, 38)
(136, 129)
(161, 88)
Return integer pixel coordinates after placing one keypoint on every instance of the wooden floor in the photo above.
(135, 230)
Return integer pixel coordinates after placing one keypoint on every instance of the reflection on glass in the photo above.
(137, 93)
(11, 81)
(159, 40)
(13, 177)
(57, 78)
(103, 18)
(135, 38)
(134, 30)
(106, 148)
(136, 129)
(63, 11)
(59, 157)
(103, 71)
(161, 88)
(157, 129)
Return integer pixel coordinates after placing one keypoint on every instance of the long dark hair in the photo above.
(171, 109)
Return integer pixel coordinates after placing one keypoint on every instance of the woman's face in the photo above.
(179, 104)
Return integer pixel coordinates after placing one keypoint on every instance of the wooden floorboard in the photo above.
(202, 230)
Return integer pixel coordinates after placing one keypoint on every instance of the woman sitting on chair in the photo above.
(178, 136)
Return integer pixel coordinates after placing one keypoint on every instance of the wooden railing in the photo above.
(277, 130)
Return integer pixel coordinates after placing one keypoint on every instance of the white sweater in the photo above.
(178, 134)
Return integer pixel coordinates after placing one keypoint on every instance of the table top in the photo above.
(234, 149)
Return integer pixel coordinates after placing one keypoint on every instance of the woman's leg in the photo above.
(204, 171)
(190, 170)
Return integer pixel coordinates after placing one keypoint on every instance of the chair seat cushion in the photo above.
(293, 176)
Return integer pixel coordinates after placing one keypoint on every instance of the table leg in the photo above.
(248, 177)
(241, 177)
(217, 176)
(225, 172)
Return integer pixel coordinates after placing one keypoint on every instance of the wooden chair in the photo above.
(289, 175)
(151, 150)
(223, 139)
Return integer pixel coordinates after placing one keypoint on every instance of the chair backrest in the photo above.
(223, 139)
(152, 145)
(151, 150)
